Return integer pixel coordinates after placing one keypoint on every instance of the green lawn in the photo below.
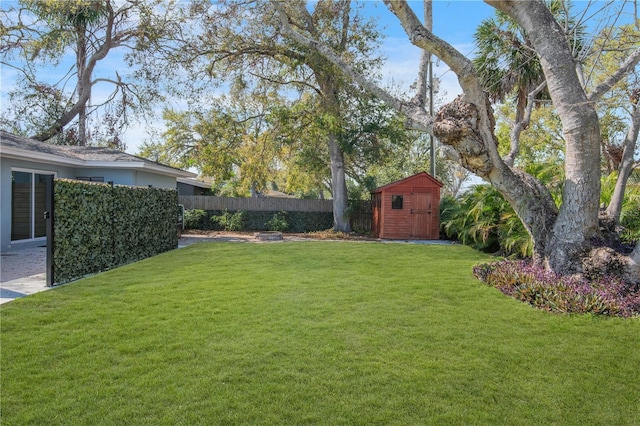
(309, 333)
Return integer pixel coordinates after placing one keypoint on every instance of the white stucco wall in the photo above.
(129, 177)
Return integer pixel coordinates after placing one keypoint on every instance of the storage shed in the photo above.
(407, 209)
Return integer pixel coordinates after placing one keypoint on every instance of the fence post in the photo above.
(49, 217)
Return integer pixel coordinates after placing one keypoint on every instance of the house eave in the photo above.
(194, 182)
(45, 158)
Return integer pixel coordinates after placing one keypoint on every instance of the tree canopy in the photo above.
(72, 38)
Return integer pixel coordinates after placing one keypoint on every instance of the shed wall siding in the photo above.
(397, 223)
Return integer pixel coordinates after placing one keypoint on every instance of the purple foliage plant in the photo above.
(546, 290)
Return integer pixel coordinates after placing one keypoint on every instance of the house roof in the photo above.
(417, 175)
(194, 182)
(21, 148)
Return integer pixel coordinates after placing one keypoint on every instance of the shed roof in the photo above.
(401, 181)
(18, 147)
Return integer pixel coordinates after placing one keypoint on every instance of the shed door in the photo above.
(420, 215)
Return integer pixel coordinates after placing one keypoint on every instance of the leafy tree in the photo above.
(563, 238)
(242, 42)
(231, 140)
(38, 33)
(304, 153)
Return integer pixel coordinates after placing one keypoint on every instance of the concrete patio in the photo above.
(22, 272)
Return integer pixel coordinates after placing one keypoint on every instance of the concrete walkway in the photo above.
(22, 272)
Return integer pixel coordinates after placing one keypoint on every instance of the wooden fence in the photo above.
(264, 204)
(360, 215)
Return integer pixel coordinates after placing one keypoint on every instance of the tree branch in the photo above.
(624, 69)
(514, 135)
(423, 38)
(417, 114)
(286, 82)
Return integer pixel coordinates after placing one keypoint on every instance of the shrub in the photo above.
(278, 222)
(309, 221)
(98, 226)
(257, 220)
(630, 222)
(484, 220)
(296, 221)
(546, 290)
(195, 219)
(230, 221)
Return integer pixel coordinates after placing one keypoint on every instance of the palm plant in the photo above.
(506, 61)
(514, 238)
(551, 174)
(483, 219)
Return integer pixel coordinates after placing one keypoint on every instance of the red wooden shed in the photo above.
(407, 209)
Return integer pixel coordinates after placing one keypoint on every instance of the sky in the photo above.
(453, 20)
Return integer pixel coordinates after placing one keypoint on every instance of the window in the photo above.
(28, 203)
(396, 202)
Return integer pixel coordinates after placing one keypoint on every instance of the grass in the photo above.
(309, 333)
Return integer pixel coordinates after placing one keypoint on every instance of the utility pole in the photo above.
(428, 22)
(424, 84)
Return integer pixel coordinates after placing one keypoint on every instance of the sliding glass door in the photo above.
(28, 204)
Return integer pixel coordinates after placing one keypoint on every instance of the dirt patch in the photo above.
(192, 236)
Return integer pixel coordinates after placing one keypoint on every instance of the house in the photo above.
(25, 162)
(407, 209)
(191, 186)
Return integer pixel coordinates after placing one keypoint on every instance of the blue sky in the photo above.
(453, 21)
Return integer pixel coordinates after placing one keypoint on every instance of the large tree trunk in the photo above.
(339, 188)
(460, 126)
(81, 66)
(577, 222)
(331, 106)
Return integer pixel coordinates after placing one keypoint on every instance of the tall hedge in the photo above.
(99, 227)
(257, 220)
